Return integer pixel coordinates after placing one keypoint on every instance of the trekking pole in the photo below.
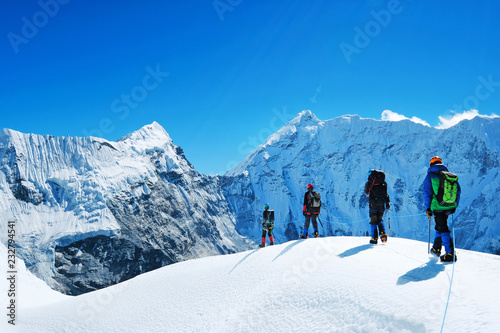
(320, 222)
(429, 242)
(453, 239)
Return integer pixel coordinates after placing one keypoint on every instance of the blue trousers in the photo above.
(374, 231)
(443, 239)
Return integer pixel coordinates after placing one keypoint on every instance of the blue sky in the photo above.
(221, 75)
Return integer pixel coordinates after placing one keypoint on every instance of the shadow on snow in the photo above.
(288, 248)
(244, 258)
(355, 250)
(424, 272)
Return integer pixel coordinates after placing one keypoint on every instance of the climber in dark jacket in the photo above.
(379, 201)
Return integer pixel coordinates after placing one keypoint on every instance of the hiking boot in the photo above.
(448, 257)
(316, 234)
(438, 243)
(383, 237)
(272, 243)
(303, 236)
(435, 252)
(262, 245)
(373, 241)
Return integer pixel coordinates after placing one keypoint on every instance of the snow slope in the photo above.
(333, 284)
(335, 156)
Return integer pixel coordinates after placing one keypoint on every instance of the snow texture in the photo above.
(332, 284)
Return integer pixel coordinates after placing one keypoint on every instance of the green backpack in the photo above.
(448, 188)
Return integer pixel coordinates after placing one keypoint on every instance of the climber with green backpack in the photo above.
(441, 198)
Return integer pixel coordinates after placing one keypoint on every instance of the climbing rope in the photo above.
(452, 273)
(353, 222)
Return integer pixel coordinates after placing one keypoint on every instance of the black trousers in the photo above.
(376, 217)
(441, 219)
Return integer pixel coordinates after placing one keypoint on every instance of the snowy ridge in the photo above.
(334, 284)
(335, 156)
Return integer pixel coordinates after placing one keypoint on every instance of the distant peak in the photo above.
(154, 127)
(306, 115)
(305, 120)
(153, 131)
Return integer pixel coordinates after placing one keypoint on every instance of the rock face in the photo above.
(92, 213)
(335, 156)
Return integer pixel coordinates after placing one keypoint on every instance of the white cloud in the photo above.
(388, 115)
(452, 120)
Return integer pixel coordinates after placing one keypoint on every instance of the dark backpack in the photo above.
(269, 216)
(377, 189)
(448, 189)
(375, 178)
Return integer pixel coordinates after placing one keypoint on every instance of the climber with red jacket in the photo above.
(311, 210)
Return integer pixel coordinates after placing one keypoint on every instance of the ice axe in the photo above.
(320, 222)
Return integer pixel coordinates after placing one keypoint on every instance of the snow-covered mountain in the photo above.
(333, 284)
(91, 213)
(335, 155)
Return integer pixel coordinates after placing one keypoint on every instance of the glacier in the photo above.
(92, 213)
